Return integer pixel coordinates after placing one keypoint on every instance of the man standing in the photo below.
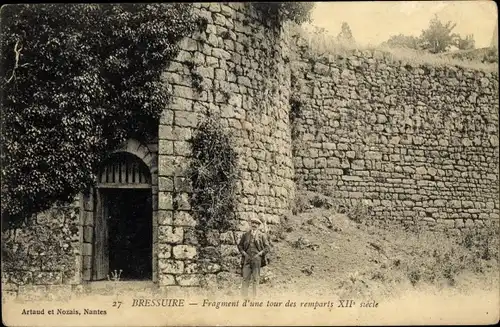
(253, 246)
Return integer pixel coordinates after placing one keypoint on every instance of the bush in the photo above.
(277, 12)
(436, 256)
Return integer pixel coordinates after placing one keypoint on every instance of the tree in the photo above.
(467, 43)
(76, 81)
(345, 35)
(403, 41)
(438, 37)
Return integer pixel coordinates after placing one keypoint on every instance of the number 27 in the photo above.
(117, 304)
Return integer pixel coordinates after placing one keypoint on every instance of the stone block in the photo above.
(182, 148)
(191, 268)
(165, 147)
(184, 252)
(421, 170)
(352, 178)
(87, 234)
(209, 267)
(372, 155)
(184, 218)
(170, 266)
(308, 163)
(227, 238)
(165, 217)
(166, 279)
(47, 278)
(182, 184)
(469, 223)
(467, 204)
(169, 234)
(185, 119)
(321, 163)
(190, 236)
(87, 249)
(229, 250)
(459, 223)
(210, 253)
(165, 201)
(182, 201)
(88, 218)
(358, 164)
(18, 278)
(164, 251)
(176, 104)
(165, 184)
(183, 92)
(188, 279)
(166, 165)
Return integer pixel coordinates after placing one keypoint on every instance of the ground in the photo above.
(327, 253)
(321, 255)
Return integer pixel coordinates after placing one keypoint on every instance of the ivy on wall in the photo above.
(76, 81)
(213, 176)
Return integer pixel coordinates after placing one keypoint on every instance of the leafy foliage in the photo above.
(213, 177)
(277, 12)
(403, 41)
(345, 34)
(77, 80)
(438, 36)
(466, 43)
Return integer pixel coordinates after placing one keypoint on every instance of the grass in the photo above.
(379, 259)
(321, 44)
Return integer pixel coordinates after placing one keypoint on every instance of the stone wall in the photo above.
(44, 255)
(413, 143)
(235, 69)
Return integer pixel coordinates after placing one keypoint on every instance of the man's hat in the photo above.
(255, 220)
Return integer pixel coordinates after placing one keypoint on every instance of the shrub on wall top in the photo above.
(277, 12)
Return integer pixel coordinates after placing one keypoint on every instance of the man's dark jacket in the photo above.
(261, 243)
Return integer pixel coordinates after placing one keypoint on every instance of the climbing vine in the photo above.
(76, 81)
(213, 176)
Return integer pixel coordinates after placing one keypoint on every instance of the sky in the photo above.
(374, 22)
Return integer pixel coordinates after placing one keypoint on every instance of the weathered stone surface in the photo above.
(188, 279)
(171, 266)
(418, 152)
(184, 251)
(164, 251)
(166, 279)
(165, 201)
(184, 218)
(169, 234)
(47, 278)
(164, 218)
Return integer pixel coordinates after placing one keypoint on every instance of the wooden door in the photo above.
(101, 249)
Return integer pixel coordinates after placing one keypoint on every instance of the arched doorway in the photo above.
(123, 235)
